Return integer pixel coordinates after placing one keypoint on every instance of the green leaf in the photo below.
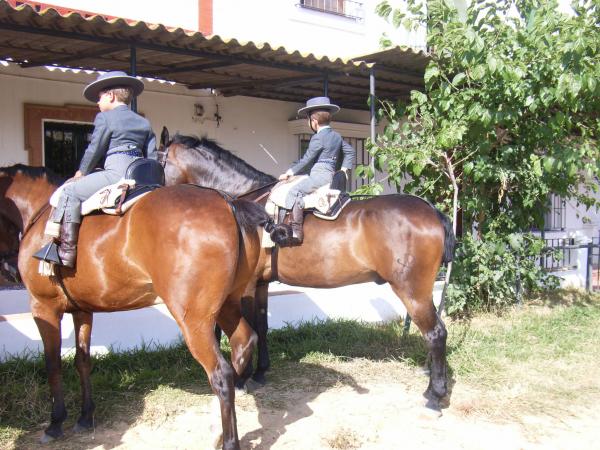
(431, 72)
(492, 64)
(458, 78)
(468, 167)
(549, 163)
(478, 72)
(418, 168)
(537, 168)
(383, 9)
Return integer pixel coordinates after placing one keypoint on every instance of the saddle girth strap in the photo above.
(71, 300)
(274, 258)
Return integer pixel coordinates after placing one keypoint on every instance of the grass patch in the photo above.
(541, 357)
(538, 359)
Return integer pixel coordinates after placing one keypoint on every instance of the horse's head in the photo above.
(23, 191)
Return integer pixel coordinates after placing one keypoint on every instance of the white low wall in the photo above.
(122, 331)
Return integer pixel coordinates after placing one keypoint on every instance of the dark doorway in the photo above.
(64, 145)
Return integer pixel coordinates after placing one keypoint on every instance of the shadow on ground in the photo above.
(123, 382)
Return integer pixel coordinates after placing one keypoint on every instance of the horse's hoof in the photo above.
(429, 413)
(252, 385)
(216, 435)
(433, 403)
(46, 438)
(217, 441)
(260, 378)
(78, 428)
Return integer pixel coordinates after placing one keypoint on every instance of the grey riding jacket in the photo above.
(324, 151)
(119, 131)
(122, 136)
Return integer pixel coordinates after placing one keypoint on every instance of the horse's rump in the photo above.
(367, 240)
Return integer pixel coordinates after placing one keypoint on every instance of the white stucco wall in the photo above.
(284, 23)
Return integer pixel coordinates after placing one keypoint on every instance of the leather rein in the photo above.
(275, 250)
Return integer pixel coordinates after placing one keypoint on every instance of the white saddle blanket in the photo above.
(104, 199)
(322, 199)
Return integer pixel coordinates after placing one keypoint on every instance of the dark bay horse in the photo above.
(182, 243)
(9, 250)
(398, 239)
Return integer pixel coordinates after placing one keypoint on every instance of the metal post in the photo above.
(133, 70)
(588, 275)
(326, 85)
(372, 108)
(518, 287)
(406, 328)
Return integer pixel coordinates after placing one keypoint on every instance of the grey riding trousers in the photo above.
(69, 205)
(320, 175)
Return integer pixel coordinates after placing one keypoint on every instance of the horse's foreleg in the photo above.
(423, 314)
(242, 339)
(48, 323)
(261, 310)
(83, 330)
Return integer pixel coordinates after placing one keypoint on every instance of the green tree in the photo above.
(510, 111)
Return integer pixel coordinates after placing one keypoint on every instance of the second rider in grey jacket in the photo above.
(325, 149)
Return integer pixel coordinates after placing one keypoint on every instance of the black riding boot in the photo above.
(297, 223)
(69, 235)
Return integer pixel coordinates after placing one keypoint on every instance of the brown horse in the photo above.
(183, 244)
(9, 250)
(398, 239)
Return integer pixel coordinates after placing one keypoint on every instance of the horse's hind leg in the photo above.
(241, 338)
(419, 306)
(261, 326)
(48, 323)
(83, 330)
(197, 327)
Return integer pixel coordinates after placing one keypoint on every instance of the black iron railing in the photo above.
(560, 254)
(346, 8)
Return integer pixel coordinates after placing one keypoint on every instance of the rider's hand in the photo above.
(285, 176)
(78, 174)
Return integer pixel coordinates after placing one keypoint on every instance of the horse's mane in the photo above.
(33, 173)
(237, 164)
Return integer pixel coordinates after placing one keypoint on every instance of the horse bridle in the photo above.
(163, 155)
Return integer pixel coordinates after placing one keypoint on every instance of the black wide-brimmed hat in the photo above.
(106, 80)
(318, 103)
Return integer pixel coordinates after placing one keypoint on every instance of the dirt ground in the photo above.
(336, 410)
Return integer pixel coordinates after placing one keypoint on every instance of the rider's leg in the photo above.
(320, 175)
(69, 210)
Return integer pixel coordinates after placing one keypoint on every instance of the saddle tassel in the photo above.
(46, 269)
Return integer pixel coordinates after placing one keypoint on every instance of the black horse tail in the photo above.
(449, 237)
(250, 215)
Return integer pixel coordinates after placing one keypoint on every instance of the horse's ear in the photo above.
(164, 137)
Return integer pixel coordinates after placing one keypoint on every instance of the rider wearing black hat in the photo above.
(121, 136)
(325, 148)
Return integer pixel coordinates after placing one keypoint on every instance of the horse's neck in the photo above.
(223, 176)
(28, 197)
